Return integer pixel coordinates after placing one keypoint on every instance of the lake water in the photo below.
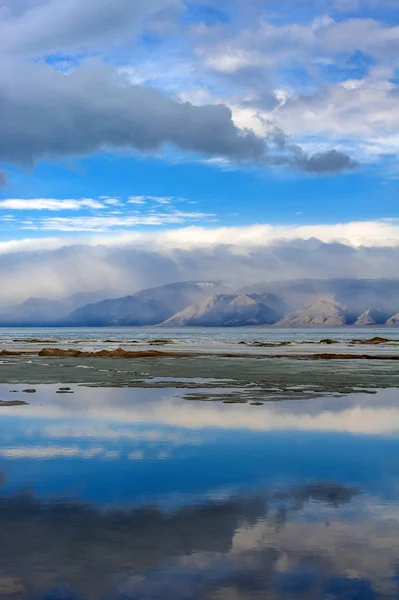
(198, 478)
(138, 493)
(199, 336)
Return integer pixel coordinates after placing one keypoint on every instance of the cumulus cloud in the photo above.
(331, 161)
(95, 108)
(51, 114)
(325, 81)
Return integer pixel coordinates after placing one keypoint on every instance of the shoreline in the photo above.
(121, 353)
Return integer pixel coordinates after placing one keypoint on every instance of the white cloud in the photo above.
(50, 204)
(358, 116)
(140, 200)
(112, 201)
(362, 113)
(156, 199)
(105, 223)
(372, 234)
(355, 233)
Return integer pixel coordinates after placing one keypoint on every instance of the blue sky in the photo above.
(161, 117)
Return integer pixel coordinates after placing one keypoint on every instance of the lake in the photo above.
(198, 478)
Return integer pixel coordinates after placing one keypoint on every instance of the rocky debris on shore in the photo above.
(265, 344)
(10, 353)
(121, 342)
(375, 341)
(319, 356)
(332, 356)
(5, 403)
(118, 353)
(326, 342)
(271, 344)
(235, 401)
(35, 341)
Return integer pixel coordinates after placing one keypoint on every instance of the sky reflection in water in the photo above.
(129, 493)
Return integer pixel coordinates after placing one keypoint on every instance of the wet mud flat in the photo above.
(251, 370)
(243, 378)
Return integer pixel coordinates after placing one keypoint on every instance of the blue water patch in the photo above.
(141, 494)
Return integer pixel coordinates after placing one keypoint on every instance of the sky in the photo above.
(185, 131)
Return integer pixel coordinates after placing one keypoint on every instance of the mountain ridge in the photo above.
(45, 311)
(148, 307)
(357, 302)
(323, 312)
(233, 310)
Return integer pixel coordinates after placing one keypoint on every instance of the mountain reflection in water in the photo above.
(118, 493)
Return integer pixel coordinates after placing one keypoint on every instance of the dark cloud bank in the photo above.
(51, 114)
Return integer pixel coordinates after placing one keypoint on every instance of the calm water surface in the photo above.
(190, 335)
(141, 494)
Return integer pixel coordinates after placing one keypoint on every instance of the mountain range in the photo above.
(231, 311)
(148, 307)
(297, 303)
(45, 312)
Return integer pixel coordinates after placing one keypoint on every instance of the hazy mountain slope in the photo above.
(148, 307)
(393, 321)
(42, 311)
(373, 316)
(177, 296)
(230, 311)
(357, 294)
(323, 312)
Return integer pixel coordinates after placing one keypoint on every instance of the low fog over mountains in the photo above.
(42, 311)
(296, 303)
